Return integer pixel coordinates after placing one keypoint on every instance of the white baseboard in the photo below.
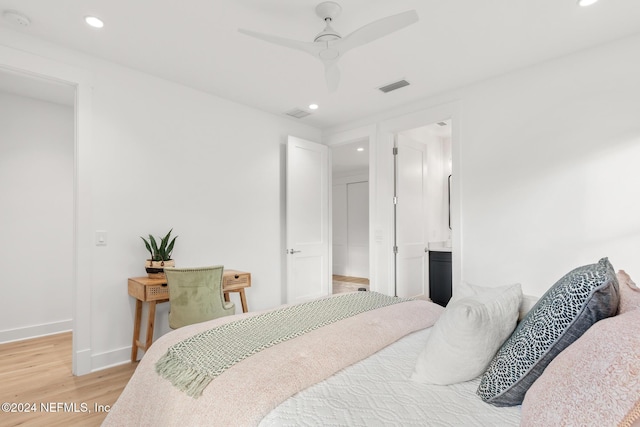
(34, 331)
(82, 362)
(111, 358)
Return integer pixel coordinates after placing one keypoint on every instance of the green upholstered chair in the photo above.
(195, 295)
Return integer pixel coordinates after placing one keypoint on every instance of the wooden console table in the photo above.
(154, 291)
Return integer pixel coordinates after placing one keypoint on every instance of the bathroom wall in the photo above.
(437, 139)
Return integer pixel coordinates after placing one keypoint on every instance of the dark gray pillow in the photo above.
(577, 301)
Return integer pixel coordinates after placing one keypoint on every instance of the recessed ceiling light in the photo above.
(359, 149)
(585, 3)
(16, 18)
(94, 22)
(313, 106)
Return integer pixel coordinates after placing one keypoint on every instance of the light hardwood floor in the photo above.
(359, 280)
(36, 375)
(348, 284)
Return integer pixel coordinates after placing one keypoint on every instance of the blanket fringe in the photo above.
(190, 381)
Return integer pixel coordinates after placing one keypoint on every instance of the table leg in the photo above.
(243, 300)
(150, 322)
(226, 297)
(136, 331)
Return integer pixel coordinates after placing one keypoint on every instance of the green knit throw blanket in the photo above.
(192, 364)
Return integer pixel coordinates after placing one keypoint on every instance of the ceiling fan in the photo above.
(329, 45)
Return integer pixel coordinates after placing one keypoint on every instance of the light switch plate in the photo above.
(101, 238)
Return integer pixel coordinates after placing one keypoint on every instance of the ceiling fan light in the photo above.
(313, 106)
(585, 3)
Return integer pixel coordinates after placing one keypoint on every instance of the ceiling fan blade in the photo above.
(377, 29)
(312, 48)
(332, 75)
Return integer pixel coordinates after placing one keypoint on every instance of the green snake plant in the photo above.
(162, 252)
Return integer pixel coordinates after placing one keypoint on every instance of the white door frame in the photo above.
(380, 135)
(12, 60)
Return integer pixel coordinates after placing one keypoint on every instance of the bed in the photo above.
(363, 368)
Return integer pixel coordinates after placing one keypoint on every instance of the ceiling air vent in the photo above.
(298, 113)
(393, 86)
(441, 123)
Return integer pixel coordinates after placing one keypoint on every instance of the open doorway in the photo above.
(350, 216)
(37, 159)
(79, 80)
(422, 219)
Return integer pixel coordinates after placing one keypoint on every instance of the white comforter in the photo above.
(378, 392)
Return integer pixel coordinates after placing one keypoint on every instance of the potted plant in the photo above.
(160, 255)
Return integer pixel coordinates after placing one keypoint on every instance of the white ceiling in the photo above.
(196, 43)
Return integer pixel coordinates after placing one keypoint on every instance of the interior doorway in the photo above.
(81, 81)
(350, 216)
(37, 161)
(422, 208)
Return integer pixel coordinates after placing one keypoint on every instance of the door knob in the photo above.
(293, 251)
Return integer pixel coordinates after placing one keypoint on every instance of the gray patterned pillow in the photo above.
(578, 300)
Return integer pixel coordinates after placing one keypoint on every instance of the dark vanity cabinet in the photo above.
(440, 277)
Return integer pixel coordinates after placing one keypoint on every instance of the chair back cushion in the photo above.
(195, 295)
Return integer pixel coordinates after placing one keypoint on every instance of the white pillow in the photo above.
(468, 334)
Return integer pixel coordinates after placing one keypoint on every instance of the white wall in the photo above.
(169, 157)
(550, 159)
(36, 218)
(438, 171)
(545, 167)
(166, 156)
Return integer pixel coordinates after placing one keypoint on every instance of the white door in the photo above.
(307, 220)
(411, 218)
(358, 229)
(339, 227)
